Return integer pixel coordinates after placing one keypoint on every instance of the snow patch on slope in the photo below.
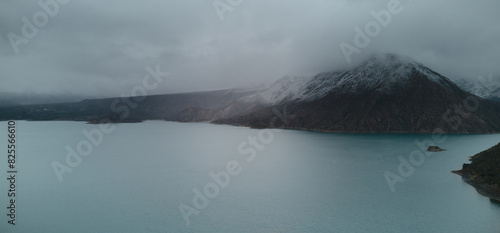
(287, 88)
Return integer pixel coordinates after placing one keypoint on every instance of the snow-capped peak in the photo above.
(383, 73)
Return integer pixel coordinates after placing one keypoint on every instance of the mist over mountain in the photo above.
(386, 93)
(101, 49)
(11, 99)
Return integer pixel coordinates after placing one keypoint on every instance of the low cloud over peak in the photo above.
(102, 48)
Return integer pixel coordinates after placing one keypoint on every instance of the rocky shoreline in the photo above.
(481, 188)
(483, 173)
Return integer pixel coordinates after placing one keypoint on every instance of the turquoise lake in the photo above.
(140, 176)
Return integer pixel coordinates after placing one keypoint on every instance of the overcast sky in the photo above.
(101, 48)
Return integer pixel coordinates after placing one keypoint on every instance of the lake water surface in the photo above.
(298, 181)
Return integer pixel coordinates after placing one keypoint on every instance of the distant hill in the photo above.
(6, 103)
(156, 107)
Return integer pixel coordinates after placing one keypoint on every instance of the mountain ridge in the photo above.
(387, 93)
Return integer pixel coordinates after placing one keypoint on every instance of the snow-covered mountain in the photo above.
(387, 93)
(383, 73)
(485, 87)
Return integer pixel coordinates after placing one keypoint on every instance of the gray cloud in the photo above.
(101, 48)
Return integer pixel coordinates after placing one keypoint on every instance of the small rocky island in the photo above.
(435, 149)
(484, 172)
